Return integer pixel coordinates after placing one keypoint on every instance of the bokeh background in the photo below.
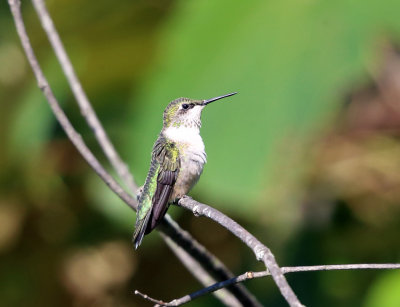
(306, 156)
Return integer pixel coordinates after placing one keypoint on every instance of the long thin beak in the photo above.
(206, 102)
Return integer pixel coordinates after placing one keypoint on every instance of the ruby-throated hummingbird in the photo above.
(177, 162)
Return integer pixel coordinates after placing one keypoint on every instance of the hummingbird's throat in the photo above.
(183, 134)
(186, 123)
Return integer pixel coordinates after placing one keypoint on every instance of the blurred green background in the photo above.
(306, 156)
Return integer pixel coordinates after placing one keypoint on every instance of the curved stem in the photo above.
(261, 252)
(83, 102)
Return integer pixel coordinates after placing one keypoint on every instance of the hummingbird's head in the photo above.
(186, 111)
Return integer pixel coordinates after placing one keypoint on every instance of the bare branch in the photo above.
(211, 263)
(223, 295)
(262, 252)
(336, 267)
(74, 136)
(252, 275)
(148, 298)
(80, 96)
(197, 251)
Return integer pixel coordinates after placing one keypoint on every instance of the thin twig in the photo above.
(262, 252)
(285, 270)
(252, 275)
(223, 295)
(148, 298)
(208, 261)
(80, 96)
(336, 267)
(198, 252)
(74, 136)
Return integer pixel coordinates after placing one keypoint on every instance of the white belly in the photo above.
(192, 157)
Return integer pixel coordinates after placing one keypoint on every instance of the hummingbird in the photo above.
(177, 161)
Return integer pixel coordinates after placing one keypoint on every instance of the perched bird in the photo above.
(177, 162)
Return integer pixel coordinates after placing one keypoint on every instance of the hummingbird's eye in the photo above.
(185, 106)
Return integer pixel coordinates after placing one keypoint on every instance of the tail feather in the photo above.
(140, 229)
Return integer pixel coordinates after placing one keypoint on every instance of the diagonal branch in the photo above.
(261, 252)
(209, 262)
(74, 136)
(252, 275)
(197, 251)
(202, 276)
(86, 108)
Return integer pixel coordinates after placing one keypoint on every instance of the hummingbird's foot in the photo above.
(177, 199)
(139, 192)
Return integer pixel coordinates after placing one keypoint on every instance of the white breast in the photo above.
(186, 135)
(192, 156)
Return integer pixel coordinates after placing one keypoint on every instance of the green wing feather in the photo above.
(160, 181)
